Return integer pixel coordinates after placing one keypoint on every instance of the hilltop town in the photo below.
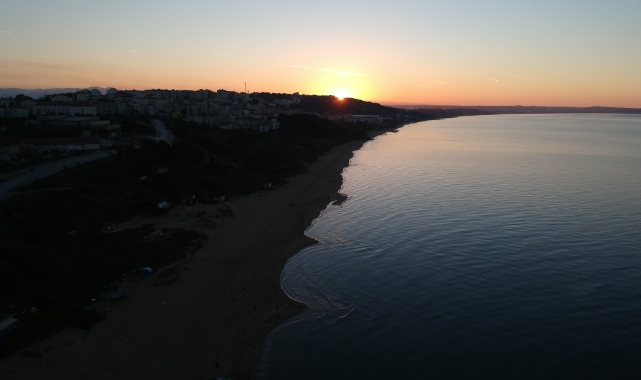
(90, 120)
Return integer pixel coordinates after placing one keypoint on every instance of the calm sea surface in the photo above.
(486, 247)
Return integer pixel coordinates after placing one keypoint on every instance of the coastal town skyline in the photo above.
(462, 53)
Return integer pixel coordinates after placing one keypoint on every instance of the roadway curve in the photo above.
(45, 170)
(162, 132)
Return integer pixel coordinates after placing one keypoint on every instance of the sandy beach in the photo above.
(213, 321)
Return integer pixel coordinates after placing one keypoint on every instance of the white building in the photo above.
(18, 113)
(55, 108)
(273, 124)
(61, 98)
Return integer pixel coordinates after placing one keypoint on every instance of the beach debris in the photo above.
(225, 210)
(155, 235)
(110, 291)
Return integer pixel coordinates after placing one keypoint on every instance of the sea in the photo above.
(483, 247)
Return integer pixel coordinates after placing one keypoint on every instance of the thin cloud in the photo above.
(269, 78)
(5, 31)
(133, 51)
(323, 69)
(346, 74)
(421, 78)
(298, 67)
(343, 73)
(516, 76)
(496, 80)
(419, 85)
(486, 89)
(442, 82)
(221, 54)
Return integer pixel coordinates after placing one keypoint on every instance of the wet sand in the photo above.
(214, 320)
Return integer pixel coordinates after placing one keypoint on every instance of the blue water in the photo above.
(486, 247)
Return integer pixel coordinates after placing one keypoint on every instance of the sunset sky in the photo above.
(465, 52)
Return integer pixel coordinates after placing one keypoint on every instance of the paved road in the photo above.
(45, 170)
(162, 132)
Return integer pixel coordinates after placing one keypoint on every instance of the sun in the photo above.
(341, 94)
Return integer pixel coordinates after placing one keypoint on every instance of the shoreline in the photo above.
(214, 321)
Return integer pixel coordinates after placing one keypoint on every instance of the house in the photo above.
(110, 291)
(8, 325)
(63, 108)
(366, 118)
(60, 143)
(160, 169)
(273, 124)
(9, 149)
(190, 200)
(28, 104)
(61, 98)
(19, 113)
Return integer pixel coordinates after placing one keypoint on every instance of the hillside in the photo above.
(322, 104)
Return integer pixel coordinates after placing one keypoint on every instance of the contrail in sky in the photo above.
(5, 31)
(496, 80)
(133, 51)
(486, 89)
(419, 85)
